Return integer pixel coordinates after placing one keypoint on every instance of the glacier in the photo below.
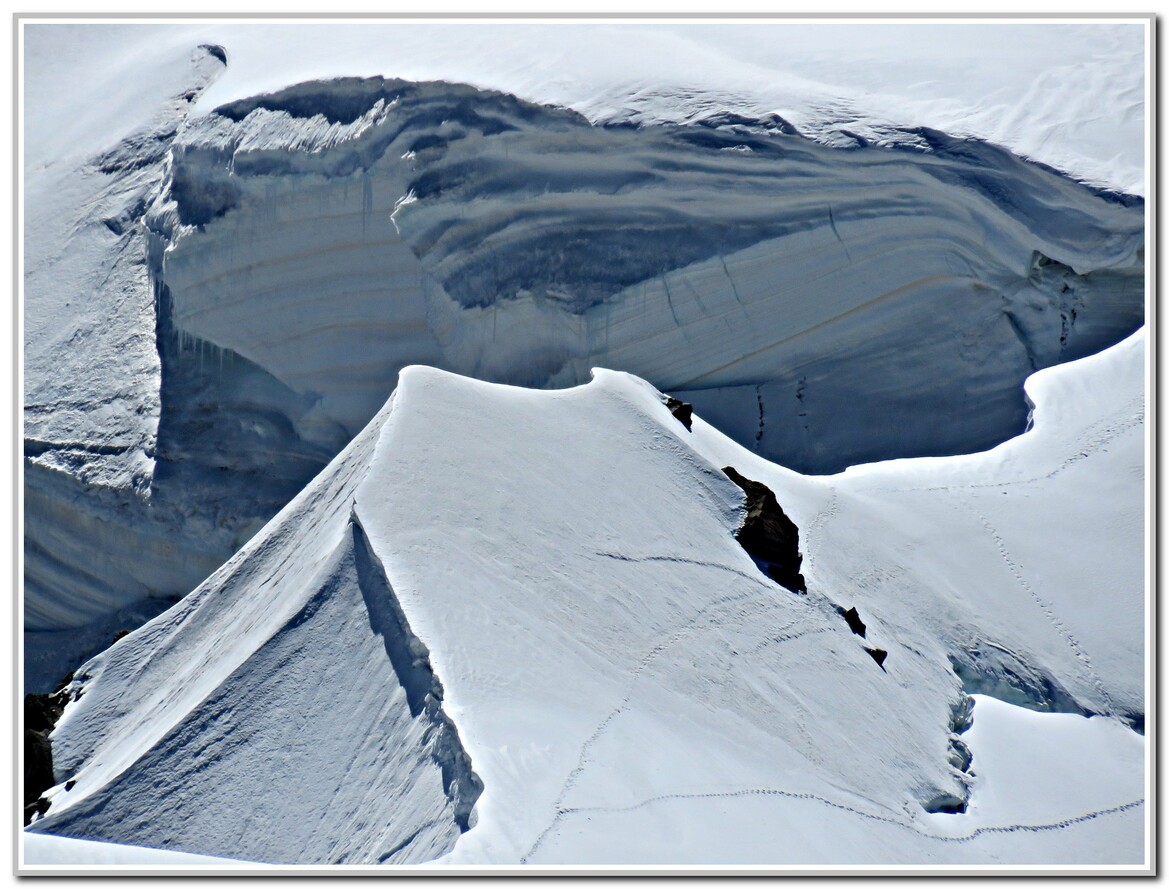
(775, 283)
(625, 662)
(489, 603)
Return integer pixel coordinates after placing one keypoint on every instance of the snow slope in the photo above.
(91, 366)
(149, 459)
(55, 852)
(1068, 94)
(555, 577)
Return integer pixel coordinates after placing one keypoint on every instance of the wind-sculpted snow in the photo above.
(873, 302)
(91, 368)
(822, 306)
(295, 721)
(627, 682)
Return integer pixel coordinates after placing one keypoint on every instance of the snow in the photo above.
(1069, 95)
(538, 594)
(627, 684)
(92, 400)
(1027, 759)
(1025, 762)
(540, 247)
(971, 521)
(133, 498)
(84, 274)
(536, 247)
(55, 852)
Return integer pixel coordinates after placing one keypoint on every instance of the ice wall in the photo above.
(824, 306)
(829, 306)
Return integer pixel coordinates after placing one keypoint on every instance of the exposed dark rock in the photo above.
(120, 634)
(38, 807)
(784, 577)
(853, 619)
(41, 713)
(879, 655)
(768, 535)
(216, 50)
(683, 411)
(38, 765)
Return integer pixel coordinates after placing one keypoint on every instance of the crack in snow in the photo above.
(832, 222)
(727, 272)
(682, 560)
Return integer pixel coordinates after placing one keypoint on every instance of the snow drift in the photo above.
(823, 306)
(555, 576)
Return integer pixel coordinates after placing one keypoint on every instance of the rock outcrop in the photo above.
(41, 713)
(768, 535)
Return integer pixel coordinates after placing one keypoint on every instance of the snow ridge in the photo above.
(310, 708)
(424, 692)
(393, 223)
(661, 669)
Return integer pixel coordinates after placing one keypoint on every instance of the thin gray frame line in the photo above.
(17, 445)
(664, 16)
(1153, 397)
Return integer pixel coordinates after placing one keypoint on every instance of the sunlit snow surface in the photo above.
(158, 440)
(627, 684)
(44, 849)
(1069, 95)
(1026, 763)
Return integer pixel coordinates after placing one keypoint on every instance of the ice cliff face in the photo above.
(759, 273)
(94, 539)
(823, 306)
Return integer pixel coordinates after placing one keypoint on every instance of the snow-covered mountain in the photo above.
(539, 596)
(777, 284)
(340, 314)
(731, 259)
